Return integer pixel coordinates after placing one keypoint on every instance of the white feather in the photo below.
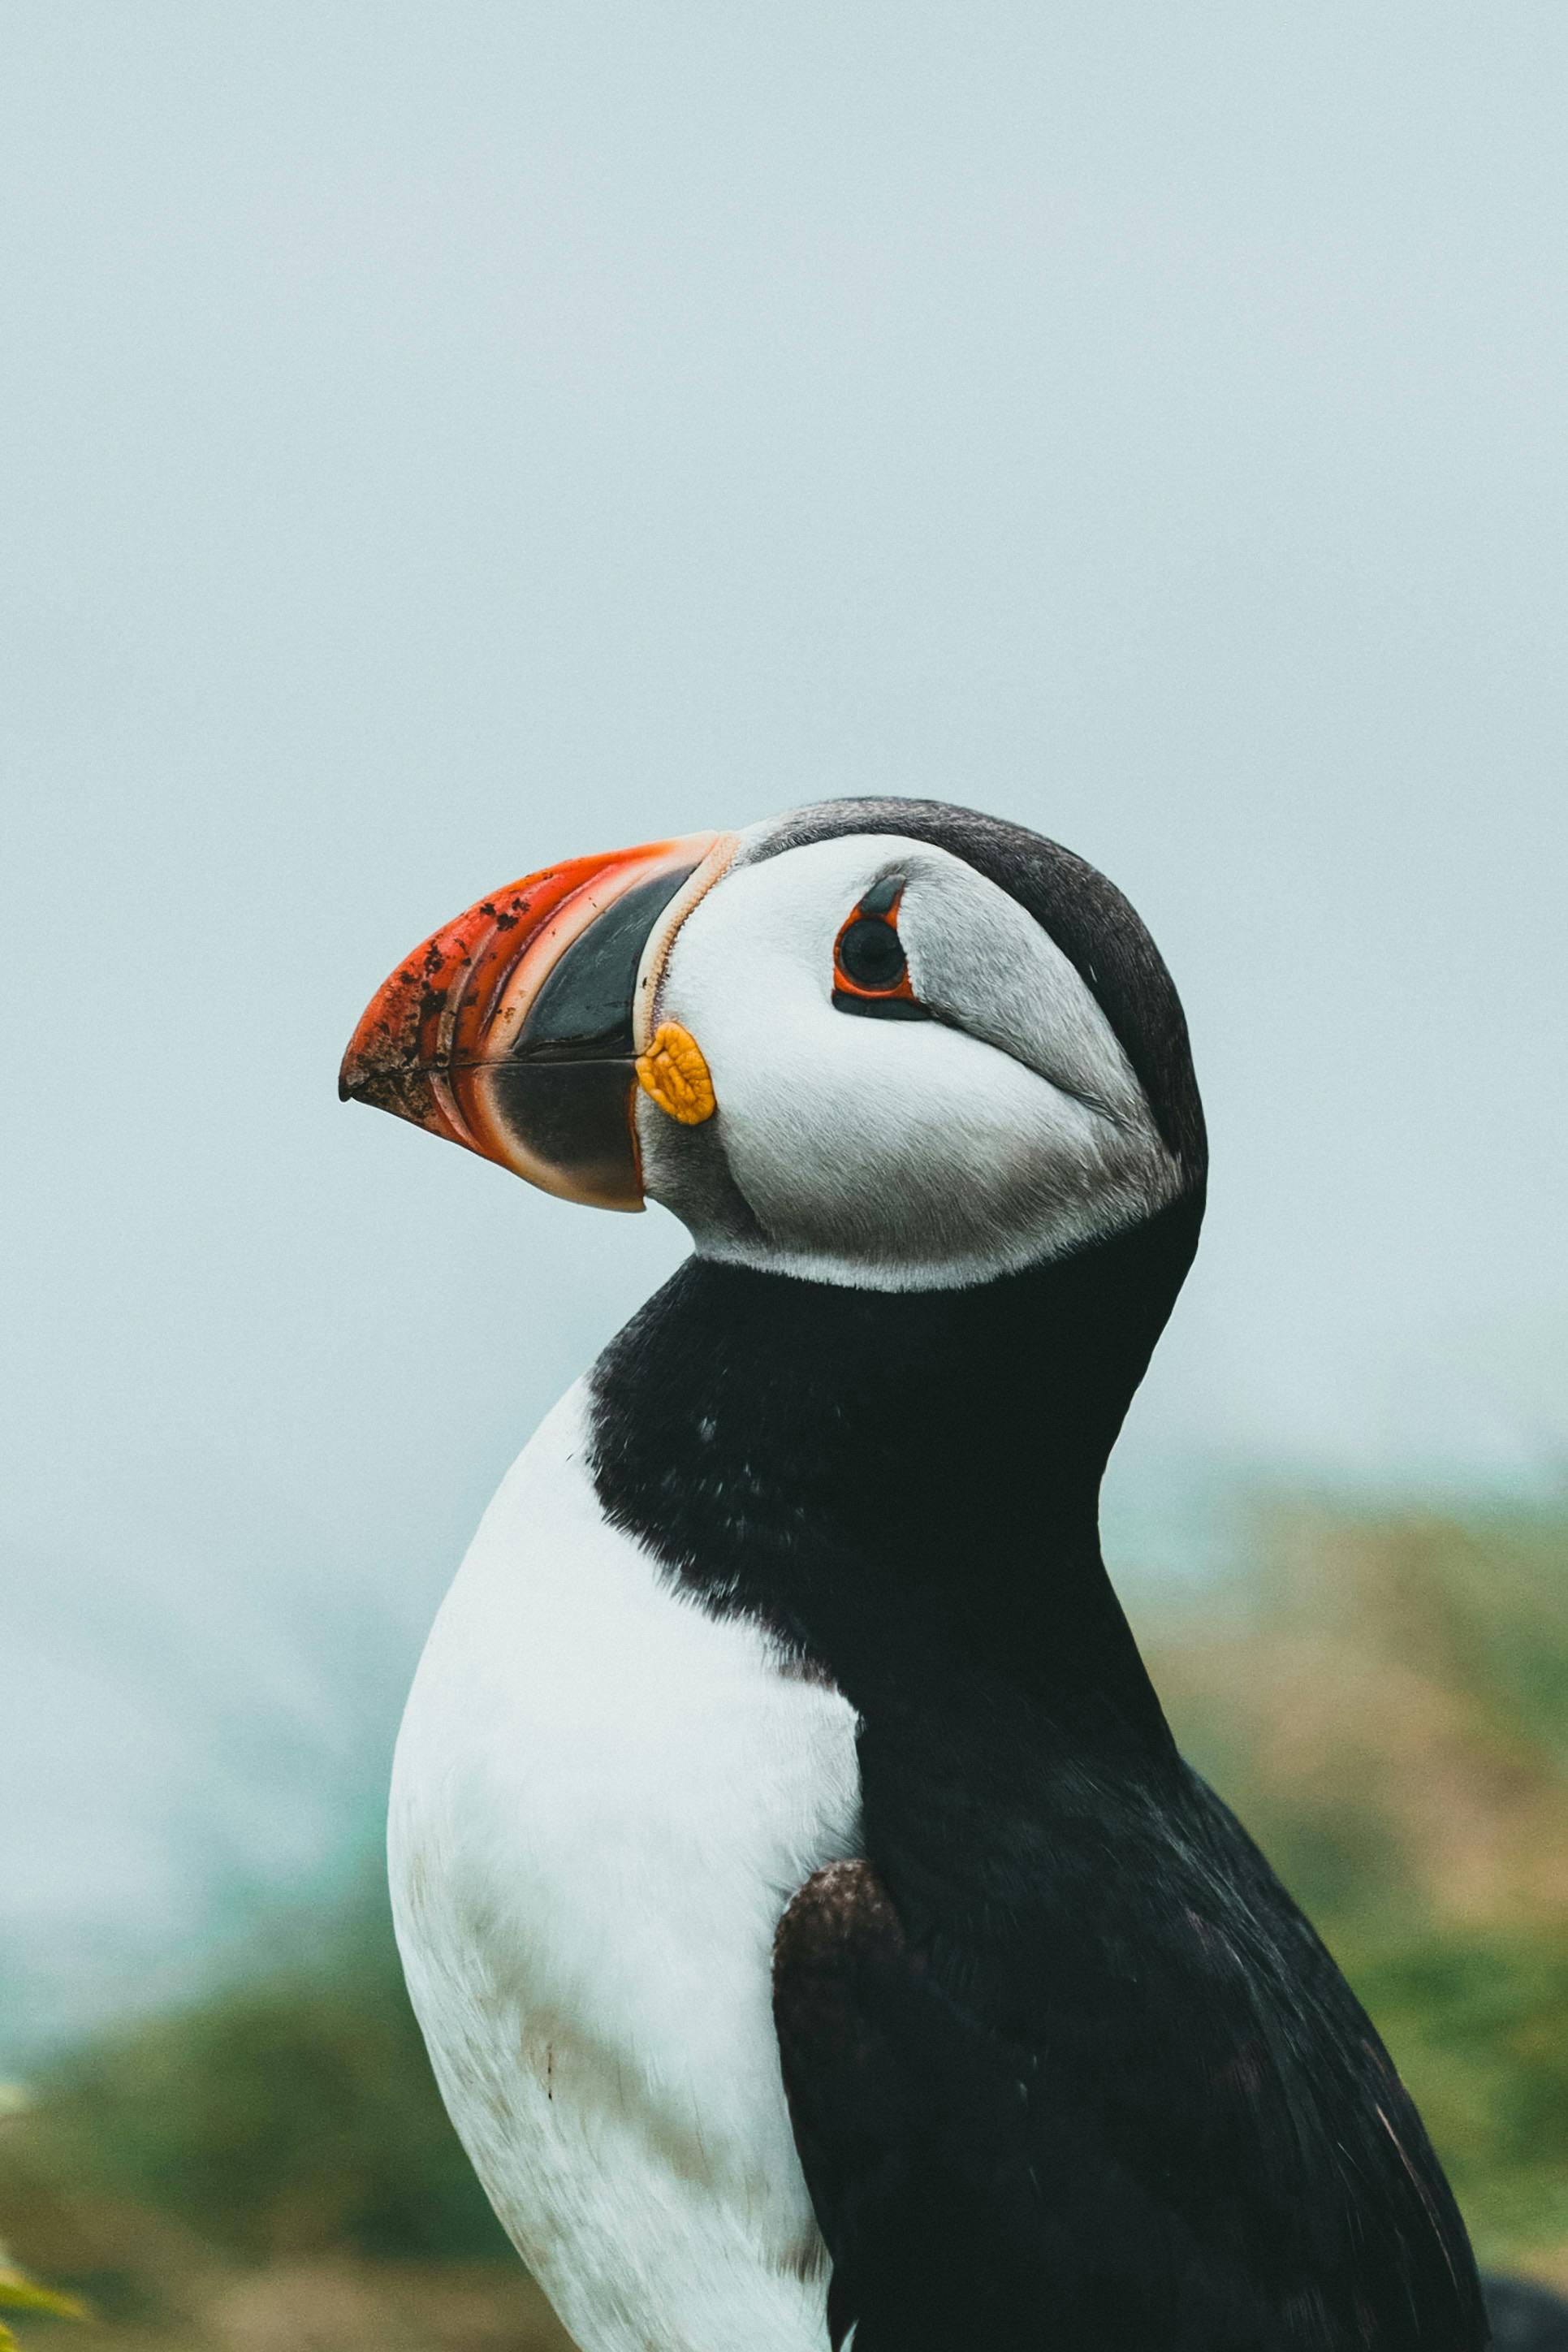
(603, 1800)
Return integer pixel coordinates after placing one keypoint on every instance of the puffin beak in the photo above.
(515, 1029)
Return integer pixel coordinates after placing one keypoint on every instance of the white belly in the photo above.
(603, 1800)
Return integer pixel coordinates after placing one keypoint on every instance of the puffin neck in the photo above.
(902, 1486)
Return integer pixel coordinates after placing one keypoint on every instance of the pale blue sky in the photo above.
(441, 439)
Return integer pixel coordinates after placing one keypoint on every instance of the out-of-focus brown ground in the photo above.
(153, 2286)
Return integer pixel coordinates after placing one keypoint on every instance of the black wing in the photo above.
(859, 2026)
(1069, 2182)
(954, 2211)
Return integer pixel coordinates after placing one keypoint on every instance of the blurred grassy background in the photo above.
(1385, 1701)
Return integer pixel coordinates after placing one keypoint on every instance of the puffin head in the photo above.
(888, 1044)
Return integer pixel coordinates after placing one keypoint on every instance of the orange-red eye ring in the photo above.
(876, 913)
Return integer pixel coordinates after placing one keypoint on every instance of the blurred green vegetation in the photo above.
(266, 2170)
(20, 2292)
(1383, 1701)
(282, 2117)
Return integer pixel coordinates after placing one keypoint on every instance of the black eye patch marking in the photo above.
(883, 897)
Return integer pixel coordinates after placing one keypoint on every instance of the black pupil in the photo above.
(871, 955)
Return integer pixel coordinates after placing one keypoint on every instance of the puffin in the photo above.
(818, 1937)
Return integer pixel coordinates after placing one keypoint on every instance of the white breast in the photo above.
(603, 1800)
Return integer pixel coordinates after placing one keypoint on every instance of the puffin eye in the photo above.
(870, 954)
(871, 971)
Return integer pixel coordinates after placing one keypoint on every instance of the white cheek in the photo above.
(750, 975)
(895, 1154)
(912, 1147)
(887, 1154)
